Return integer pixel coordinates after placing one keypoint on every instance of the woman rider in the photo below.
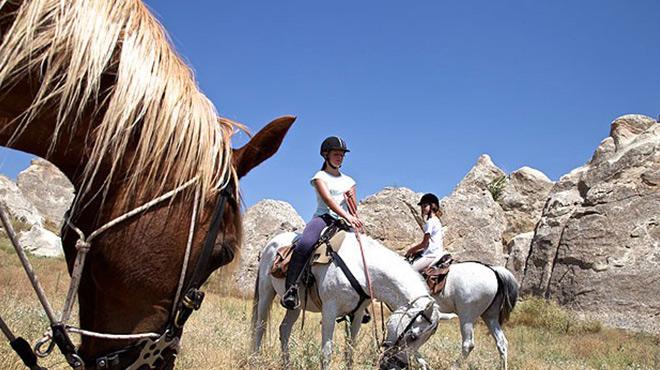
(330, 185)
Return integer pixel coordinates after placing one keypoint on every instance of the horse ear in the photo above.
(261, 146)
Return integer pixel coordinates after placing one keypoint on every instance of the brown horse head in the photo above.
(96, 88)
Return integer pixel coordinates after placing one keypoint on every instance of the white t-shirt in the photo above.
(433, 227)
(337, 186)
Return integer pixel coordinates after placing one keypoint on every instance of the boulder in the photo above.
(391, 216)
(481, 176)
(262, 222)
(518, 249)
(522, 200)
(20, 208)
(41, 242)
(597, 246)
(473, 221)
(48, 189)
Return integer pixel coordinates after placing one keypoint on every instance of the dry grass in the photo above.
(541, 335)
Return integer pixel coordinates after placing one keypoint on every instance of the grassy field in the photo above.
(540, 334)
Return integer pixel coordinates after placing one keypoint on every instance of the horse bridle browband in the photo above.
(150, 345)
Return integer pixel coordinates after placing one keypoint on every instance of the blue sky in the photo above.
(418, 89)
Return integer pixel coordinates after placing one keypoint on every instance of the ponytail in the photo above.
(434, 209)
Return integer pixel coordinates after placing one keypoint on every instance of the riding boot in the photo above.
(290, 298)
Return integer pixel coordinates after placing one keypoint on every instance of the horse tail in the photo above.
(507, 286)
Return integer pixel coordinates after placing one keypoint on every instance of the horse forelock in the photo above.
(152, 124)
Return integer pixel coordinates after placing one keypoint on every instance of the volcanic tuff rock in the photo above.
(391, 216)
(48, 190)
(41, 242)
(518, 252)
(18, 206)
(473, 221)
(28, 223)
(262, 222)
(522, 200)
(597, 246)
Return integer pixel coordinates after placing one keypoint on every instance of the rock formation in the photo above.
(47, 189)
(391, 217)
(262, 222)
(597, 245)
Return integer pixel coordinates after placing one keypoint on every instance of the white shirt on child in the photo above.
(433, 227)
(337, 186)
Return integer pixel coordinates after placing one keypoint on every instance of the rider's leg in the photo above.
(422, 262)
(301, 253)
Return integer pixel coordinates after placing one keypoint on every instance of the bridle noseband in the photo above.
(391, 349)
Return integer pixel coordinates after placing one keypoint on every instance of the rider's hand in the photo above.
(355, 222)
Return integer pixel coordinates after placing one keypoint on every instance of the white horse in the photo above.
(476, 290)
(395, 283)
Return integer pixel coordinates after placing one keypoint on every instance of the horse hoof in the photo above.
(366, 318)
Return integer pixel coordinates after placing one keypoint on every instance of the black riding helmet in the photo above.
(333, 143)
(429, 198)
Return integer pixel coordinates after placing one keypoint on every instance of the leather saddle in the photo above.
(436, 274)
(332, 237)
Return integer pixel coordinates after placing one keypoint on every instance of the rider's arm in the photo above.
(325, 195)
(419, 247)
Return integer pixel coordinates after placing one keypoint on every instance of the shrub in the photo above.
(496, 186)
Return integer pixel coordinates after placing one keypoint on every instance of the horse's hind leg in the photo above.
(491, 318)
(500, 340)
(467, 333)
(285, 333)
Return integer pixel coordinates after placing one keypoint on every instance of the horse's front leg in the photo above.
(354, 328)
(328, 317)
(285, 333)
(422, 362)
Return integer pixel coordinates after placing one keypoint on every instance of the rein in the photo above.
(352, 207)
(152, 344)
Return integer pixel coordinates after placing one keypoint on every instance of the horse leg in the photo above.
(500, 340)
(421, 362)
(328, 317)
(352, 335)
(285, 333)
(467, 333)
(264, 301)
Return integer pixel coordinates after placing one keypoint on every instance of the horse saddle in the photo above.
(332, 237)
(436, 274)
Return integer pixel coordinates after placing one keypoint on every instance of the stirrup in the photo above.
(291, 295)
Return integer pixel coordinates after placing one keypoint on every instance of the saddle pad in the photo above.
(436, 274)
(321, 253)
(320, 256)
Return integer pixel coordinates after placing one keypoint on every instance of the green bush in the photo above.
(496, 186)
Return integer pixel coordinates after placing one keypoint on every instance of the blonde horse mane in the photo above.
(153, 108)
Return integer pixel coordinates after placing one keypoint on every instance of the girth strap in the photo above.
(351, 279)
